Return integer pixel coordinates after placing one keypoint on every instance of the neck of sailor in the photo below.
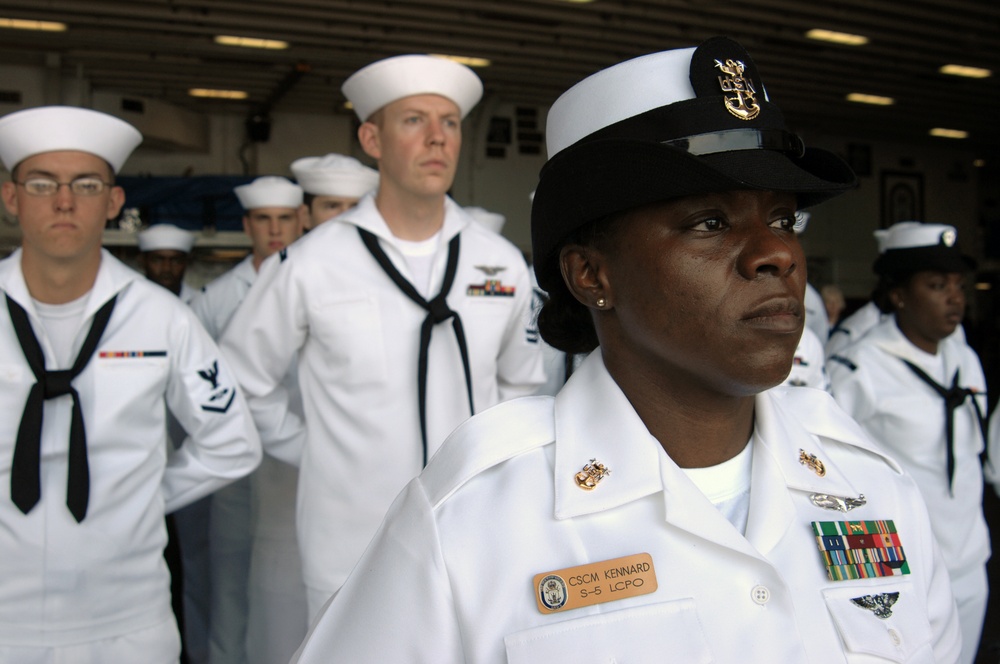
(59, 281)
(696, 424)
(410, 216)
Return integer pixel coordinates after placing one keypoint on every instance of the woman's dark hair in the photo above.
(564, 322)
(880, 295)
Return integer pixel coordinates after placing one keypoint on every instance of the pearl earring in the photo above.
(601, 302)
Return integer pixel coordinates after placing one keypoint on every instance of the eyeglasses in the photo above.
(85, 186)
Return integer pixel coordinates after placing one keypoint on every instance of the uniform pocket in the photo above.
(887, 621)
(665, 632)
(351, 339)
(123, 387)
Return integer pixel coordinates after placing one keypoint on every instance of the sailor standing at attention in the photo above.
(332, 184)
(93, 357)
(164, 255)
(272, 219)
(406, 317)
(918, 390)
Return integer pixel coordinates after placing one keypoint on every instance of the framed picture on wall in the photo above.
(902, 197)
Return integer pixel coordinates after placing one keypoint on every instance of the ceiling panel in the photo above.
(161, 48)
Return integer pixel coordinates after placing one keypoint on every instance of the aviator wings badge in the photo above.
(880, 604)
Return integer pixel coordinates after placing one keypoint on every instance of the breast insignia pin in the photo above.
(810, 461)
(591, 475)
(830, 502)
(880, 604)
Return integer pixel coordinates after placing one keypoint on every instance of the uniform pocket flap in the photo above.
(669, 631)
(886, 621)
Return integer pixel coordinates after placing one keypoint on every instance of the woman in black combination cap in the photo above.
(666, 505)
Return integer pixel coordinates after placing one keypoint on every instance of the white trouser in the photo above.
(231, 540)
(971, 591)
(160, 644)
(279, 616)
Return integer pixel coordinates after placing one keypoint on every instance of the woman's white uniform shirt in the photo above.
(357, 338)
(72, 583)
(905, 416)
(852, 328)
(449, 576)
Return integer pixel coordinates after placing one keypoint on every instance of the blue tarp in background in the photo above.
(193, 203)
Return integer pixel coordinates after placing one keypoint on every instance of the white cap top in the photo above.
(269, 191)
(494, 221)
(880, 235)
(166, 236)
(914, 234)
(334, 175)
(33, 131)
(801, 220)
(624, 90)
(383, 82)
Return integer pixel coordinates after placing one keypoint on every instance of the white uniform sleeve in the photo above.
(807, 369)
(202, 308)
(991, 470)
(397, 604)
(222, 444)
(850, 388)
(260, 342)
(520, 367)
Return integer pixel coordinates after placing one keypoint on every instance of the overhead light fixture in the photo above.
(209, 93)
(949, 133)
(979, 163)
(22, 24)
(877, 100)
(967, 72)
(834, 37)
(984, 285)
(463, 60)
(251, 42)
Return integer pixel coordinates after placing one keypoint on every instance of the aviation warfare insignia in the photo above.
(830, 502)
(743, 101)
(880, 604)
(491, 270)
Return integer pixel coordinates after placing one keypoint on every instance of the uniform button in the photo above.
(895, 637)
(760, 594)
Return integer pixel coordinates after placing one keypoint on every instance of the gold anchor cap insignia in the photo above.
(591, 475)
(810, 461)
(743, 102)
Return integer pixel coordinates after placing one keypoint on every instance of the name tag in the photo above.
(594, 583)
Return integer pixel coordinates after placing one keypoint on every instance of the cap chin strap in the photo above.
(740, 139)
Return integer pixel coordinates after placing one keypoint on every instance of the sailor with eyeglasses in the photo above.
(92, 358)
